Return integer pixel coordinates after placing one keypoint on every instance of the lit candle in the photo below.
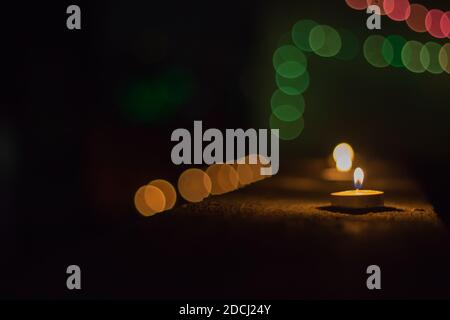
(358, 198)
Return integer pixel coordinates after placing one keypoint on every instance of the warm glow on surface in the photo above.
(194, 185)
(168, 190)
(343, 155)
(358, 178)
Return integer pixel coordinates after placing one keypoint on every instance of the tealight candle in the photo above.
(358, 198)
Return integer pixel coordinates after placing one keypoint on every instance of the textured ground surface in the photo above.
(276, 238)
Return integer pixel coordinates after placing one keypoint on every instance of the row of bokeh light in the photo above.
(288, 104)
(436, 22)
(291, 75)
(290, 62)
(194, 185)
(396, 51)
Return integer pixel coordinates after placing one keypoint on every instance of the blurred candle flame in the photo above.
(344, 164)
(343, 155)
(358, 178)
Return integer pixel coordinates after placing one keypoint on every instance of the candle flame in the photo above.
(358, 178)
(343, 156)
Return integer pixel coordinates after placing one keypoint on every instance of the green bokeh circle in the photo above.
(325, 41)
(293, 86)
(394, 44)
(289, 130)
(300, 34)
(287, 107)
(412, 58)
(378, 52)
(289, 61)
(429, 56)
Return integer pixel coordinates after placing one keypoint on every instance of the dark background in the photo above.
(74, 149)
